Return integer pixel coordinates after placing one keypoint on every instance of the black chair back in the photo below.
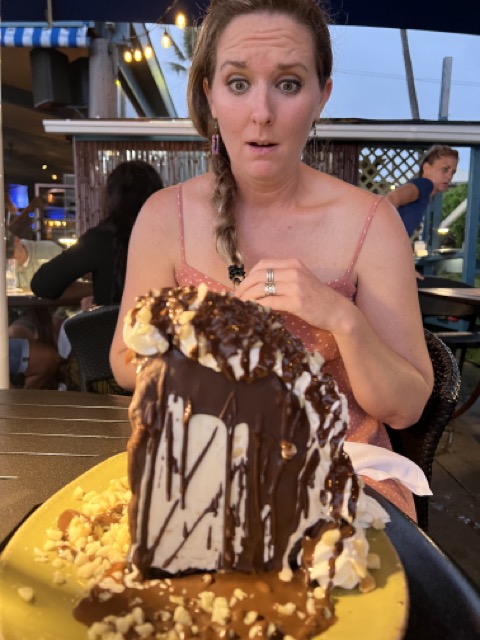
(91, 334)
(420, 441)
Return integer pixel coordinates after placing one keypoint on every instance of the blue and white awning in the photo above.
(44, 37)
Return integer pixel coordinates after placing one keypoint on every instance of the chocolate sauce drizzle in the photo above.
(258, 497)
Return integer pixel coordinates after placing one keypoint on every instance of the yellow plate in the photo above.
(378, 615)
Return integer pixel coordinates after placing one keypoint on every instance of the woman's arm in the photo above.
(152, 254)
(54, 277)
(402, 195)
(380, 337)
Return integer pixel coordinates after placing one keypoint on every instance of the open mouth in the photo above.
(261, 145)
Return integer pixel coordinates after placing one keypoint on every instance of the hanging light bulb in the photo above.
(166, 42)
(180, 20)
(137, 55)
(127, 55)
(148, 52)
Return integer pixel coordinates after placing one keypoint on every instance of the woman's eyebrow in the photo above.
(234, 63)
(240, 64)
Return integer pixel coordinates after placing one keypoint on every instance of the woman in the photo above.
(331, 257)
(102, 250)
(437, 169)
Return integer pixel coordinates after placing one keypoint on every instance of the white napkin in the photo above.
(378, 463)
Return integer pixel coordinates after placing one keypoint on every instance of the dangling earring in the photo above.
(215, 138)
(314, 141)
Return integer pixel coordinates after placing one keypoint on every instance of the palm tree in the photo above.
(184, 56)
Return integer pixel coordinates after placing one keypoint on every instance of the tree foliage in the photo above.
(184, 54)
(450, 201)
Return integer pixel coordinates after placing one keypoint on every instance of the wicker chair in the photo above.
(91, 334)
(420, 441)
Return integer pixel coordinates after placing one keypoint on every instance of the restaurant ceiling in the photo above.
(463, 16)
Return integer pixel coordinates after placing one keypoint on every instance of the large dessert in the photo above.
(237, 468)
(244, 511)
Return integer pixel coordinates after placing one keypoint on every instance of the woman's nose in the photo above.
(262, 108)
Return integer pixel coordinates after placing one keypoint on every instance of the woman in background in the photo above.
(437, 169)
(102, 250)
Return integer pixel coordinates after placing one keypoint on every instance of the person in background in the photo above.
(37, 362)
(437, 169)
(333, 259)
(30, 255)
(102, 250)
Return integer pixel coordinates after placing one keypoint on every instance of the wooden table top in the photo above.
(47, 439)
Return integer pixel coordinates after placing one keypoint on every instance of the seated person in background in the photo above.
(437, 169)
(30, 255)
(37, 362)
(102, 250)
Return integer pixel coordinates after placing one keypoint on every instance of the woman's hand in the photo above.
(298, 291)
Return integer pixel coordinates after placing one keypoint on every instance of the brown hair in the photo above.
(218, 17)
(435, 153)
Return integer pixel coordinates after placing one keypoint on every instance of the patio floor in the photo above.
(455, 504)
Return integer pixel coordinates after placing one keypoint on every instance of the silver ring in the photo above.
(270, 277)
(270, 289)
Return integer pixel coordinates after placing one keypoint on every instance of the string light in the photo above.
(180, 20)
(166, 42)
(130, 55)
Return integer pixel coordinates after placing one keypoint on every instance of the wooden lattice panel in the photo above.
(383, 168)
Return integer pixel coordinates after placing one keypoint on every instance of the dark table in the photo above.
(48, 438)
(470, 296)
(40, 310)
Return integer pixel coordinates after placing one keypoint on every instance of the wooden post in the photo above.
(412, 94)
(445, 89)
(103, 101)
(471, 220)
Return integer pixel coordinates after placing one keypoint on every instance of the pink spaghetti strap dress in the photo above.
(362, 427)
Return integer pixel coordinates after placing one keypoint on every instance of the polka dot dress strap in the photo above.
(363, 235)
(180, 222)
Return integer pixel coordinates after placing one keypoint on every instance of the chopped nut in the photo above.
(239, 594)
(373, 561)
(220, 611)
(26, 593)
(250, 617)
(367, 583)
(182, 616)
(286, 609)
(58, 578)
(206, 599)
(144, 630)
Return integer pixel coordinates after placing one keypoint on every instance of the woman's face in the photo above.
(440, 172)
(265, 94)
